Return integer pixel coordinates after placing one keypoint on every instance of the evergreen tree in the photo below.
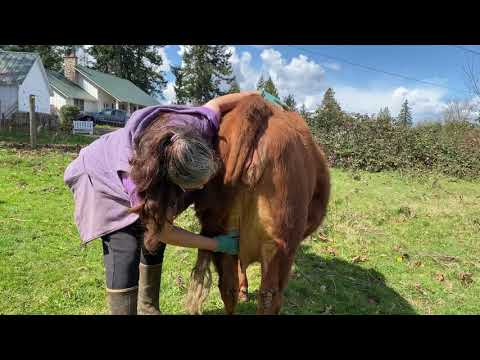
(303, 112)
(203, 70)
(270, 87)
(260, 83)
(289, 100)
(384, 115)
(329, 114)
(138, 63)
(267, 85)
(234, 87)
(329, 103)
(405, 116)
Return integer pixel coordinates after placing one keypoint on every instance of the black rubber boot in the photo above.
(123, 301)
(149, 289)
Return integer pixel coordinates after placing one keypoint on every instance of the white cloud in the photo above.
(311, 102)
(423, 101)
(400, 92)
(181, 49)
(305, 78)
(271, 57)
(246, 75)
(84, 58)
(301, 76)
(169, 93)
(475, 102)
(166, 62)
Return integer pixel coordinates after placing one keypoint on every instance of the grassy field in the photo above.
(392, 243)
(22, 136)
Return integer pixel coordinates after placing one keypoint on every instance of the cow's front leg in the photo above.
(243, 284)
(227, 280)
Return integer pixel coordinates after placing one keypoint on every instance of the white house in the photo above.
(22, 74)
(93, 91)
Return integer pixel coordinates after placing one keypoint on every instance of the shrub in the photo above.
(363, 142)
(68, 113)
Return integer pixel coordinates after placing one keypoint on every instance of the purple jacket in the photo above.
(101, 200)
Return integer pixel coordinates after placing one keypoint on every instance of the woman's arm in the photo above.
(173, 235)
(226, 102)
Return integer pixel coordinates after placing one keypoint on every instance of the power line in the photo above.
(466, 49)
(371, 68)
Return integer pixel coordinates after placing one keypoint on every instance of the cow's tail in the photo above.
(200, 283)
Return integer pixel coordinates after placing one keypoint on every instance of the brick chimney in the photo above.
(69, 63)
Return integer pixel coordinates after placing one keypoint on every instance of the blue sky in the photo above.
(307, 74)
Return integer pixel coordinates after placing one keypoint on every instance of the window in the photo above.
(79, 103)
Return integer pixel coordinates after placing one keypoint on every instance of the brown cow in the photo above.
(274, 187)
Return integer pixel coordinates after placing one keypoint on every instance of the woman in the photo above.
(130, 184)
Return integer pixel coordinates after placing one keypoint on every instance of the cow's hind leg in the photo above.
(275, 273)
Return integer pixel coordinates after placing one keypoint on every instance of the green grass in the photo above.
(48, 137)
(44, 137)
(397, 244)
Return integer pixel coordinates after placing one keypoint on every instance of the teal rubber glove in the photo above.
(228, 243)
(273, 99)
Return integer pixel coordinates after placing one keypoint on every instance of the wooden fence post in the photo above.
(33, 125)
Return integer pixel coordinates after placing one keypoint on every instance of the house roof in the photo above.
(67, 87)
(121, 89)
(14, 66)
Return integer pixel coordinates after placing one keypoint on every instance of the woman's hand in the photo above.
(173, 235)
(228, 243)
(227, 102)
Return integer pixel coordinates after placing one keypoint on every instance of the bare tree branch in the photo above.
(459, 110)
(472, 77)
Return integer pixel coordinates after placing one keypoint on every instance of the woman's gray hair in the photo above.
(191, 160)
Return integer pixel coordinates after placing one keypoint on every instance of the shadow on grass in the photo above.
(321, 285)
